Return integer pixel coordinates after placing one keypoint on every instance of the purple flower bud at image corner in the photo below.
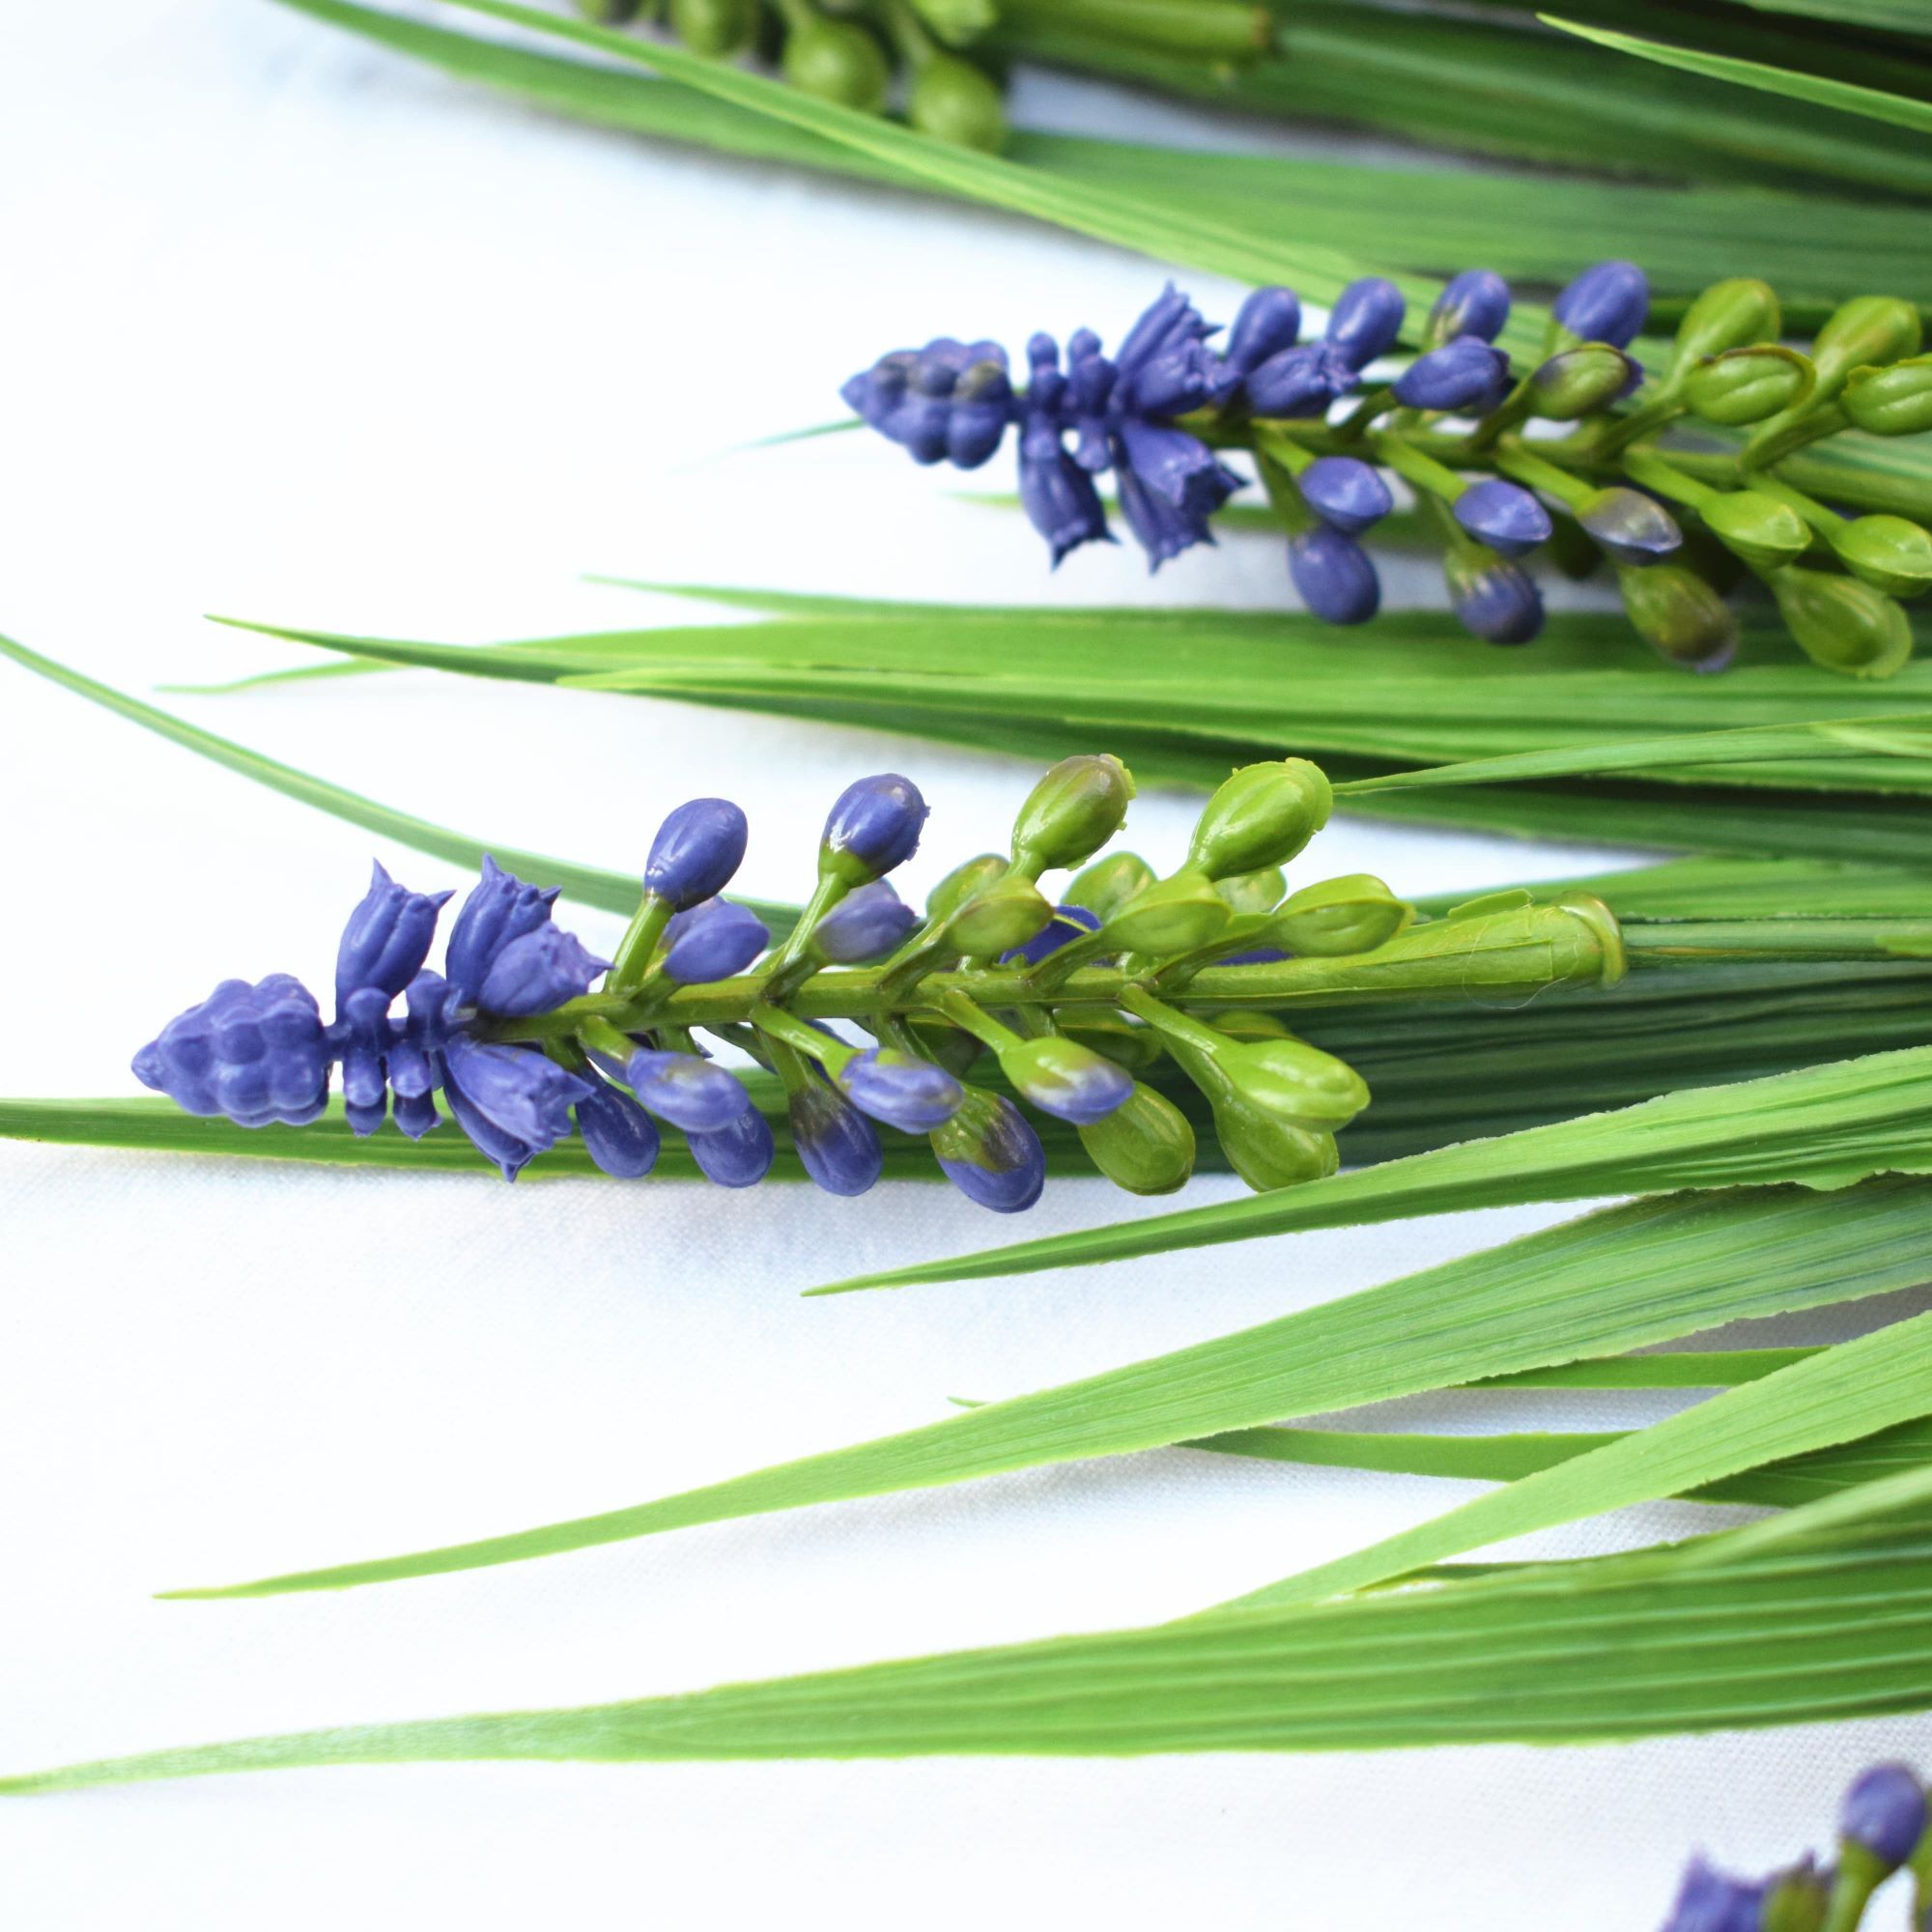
(388, 937)
(618, 1135)
(1609, 303)
(255, 1055)
(1459, 376)
(538, 972)
(1885, 1811)
(713, 940)
(697, 850)
(839, 1147)
(1366, 320)
(900, 1089)
(1477, 302)
(686, 1090)
(1334, 576)
(1506, 517)
(497, 910)
(1345, 492)
(1068, 923)
(867, 924)
(874, 825)
(739, 1154)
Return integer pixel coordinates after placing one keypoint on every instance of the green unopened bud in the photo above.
(1297, 1081)
(999, 917)
(1729, 315)
(1253, 892)
(1579, 382)
(1109, 882)
(1797, 1899)
(837, 59)
(1891, 553)
(1247, 1024)
(1681, 617)
(955, 102)
(1171, 915)
(960, 884)
(1892, 401)
(1748, 385)
(1145, 1145)
(1841, 623)
(1338, 916)
(1867, 329)
(1071, 812)
(1765, 532)
(718, 28)
(1263, 815)
(957, 21)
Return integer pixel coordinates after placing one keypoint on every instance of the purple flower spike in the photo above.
(866, 926)
(1885, 1813)
(1477, 302)
(737, 1155)
(618, 1135)
(712, 941)
(1334, 576)
(989, 1152)
(1496, 600)
(1709, 1901)
(1461, 375)
(837, 1143)
(1268, 322)
(255, 1054)
(687, 1091)
(1345, 492)
(1067, 923)
(519, 1092)
(498, 908)
(1365, 321)
(873, 826)
(697, 850)
(900, 1089)
(388, 937)
(1630, 526)
(1504, 516)
(1610, 302)
(538, 972)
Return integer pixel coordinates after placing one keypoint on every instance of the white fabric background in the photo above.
(299, 332)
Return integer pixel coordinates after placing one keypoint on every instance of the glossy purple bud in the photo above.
(1504, 516)
(902, 1091)
(510, 1154)
(1366, 320)
(618, 1135)
(388, 937)
(1607, 304)
(1885, 1813)
(1496, 600)
(1268, 322)
(538, 972)
(1710, 1901)
(363, 1038)
(1477, 302)
(1630, 526)
(1334, 576)
(1345, 492)
(415, 1114)
(873, 826)
(837, 1145)
(697, 850)
(256, 1053)
(712, 941)
(989, 1152)
(522, 1093)
(1068, 923)
(1297, 382)
(1461, 375)
(497, 910)
(866, 926)
(687, 1091)
(737, 1155)
(1061, 501)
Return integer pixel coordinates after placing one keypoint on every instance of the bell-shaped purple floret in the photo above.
(874, 823)
(498, 908)
(1710, 1901)
(1067, 923)
(1299, 381)
(989, 1152)
(521, 1092)
(1345, 492)
(737, 1155)
(1178, 467)
(712, 941)
(698, 848)
(687, 1091)
(1060, 500)
(867, 924)
(538, 972)
(618, 1135)
(388, 937)
(1334, 576)
(1609, 303)
(1504, 516)
(1365, 321)
(901, 1089)
(1477, 302)
(254, 1054)
(837, 1145)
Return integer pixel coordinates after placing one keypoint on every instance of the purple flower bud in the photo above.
(388, 937)
(498, 908)
(1170, 322)
(510, 1154)
(867, 925)
(687, 1091)
(1366, 320)
(948, 401)
(255, 1054)
(837, 1143)
(1630, 526)
(1159, 528)
(698, 848)
(1298, 381)
(1496, 600)
(415, 1114)
(989, 1152)
(362, 1038)
(618, 1135)
(900, 1089)
(873, 825)
(1061, 501)
(1477, 302)
(1062, 1078)
(1178, 467)
(1607, 304)
(1334, 576)
(513, 1101)
(1459, 376)
(1067, 923)
(1709, 1901)
(712, 941)
(1268, 322)
(537, 973)
(1345, 492)
(738, 1154)
(1885, 1813)
(982, 407)
(1504, 516)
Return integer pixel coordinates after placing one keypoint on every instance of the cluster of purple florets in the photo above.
(1881, 1826)
(1137, 413)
